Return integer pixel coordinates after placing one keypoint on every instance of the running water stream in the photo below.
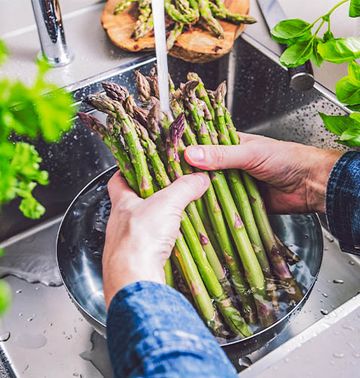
(158, 11)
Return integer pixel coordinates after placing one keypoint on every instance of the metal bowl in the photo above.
(81, 238)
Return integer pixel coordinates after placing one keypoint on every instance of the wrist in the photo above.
(121, 269)
(321, 163)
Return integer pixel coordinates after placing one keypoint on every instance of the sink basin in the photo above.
(57, 340)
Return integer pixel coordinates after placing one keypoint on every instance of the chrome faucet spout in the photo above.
(51, 32)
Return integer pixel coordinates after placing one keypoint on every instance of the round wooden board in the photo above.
(195, 45)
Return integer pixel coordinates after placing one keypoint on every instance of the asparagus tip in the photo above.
(143, 86)
(189, 87)
(91, 122)
(115, 91)
(177, 129)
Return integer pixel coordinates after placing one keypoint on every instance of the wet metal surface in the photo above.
(261, 102)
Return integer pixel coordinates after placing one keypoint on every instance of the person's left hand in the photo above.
(140, 234)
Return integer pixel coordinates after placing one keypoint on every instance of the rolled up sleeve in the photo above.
(153, 331)
(343, 202)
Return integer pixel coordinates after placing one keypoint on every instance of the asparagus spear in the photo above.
(185, 8)
(122, 5)
(209, 20)
(278, 263)
(220, 11)
(112, 141)
(174, 35)
(177, 15)
(144, 23)
(248, 258)
(116, 110)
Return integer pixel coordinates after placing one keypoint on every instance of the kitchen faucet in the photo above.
(51, 32)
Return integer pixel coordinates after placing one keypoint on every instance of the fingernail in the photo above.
(204, 178)
(196, 154)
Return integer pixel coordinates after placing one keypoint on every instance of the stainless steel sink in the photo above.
(43, 335)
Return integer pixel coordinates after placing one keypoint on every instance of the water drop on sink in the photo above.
(337, 281)
(324, 312)
(351, 262)
(5, 336)
(18, 291)
(338, 355)
(31, 318)
(324, 295)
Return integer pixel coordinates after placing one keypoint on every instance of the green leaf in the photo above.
(328, 35)
(3, 52)
(297, 54)
(337, 124)
(348, 88)
(340, 50)
(352, 134)
(355, 116)
(354, 71)
(31, 208)
(354, 10)
(315, 56)
(290, 31)
(355, 108)
(5, 296)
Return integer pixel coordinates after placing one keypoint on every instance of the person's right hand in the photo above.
(296, 175)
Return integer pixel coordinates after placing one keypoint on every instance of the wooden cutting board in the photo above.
(196, 45)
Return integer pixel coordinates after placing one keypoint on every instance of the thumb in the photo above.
(220, 157)
(184, 190)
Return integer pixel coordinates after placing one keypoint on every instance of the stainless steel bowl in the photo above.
(81, 238)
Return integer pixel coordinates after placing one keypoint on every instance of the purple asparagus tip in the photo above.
(115, 91)
(177, 129)
(143, 86)
(92, 123)
(220, 92)
(189, 87)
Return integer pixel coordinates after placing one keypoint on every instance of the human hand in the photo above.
(140, 234)
(295, 175)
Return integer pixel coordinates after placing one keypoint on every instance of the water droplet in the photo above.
(338, 355)
(324, 295)
(20, 314)
(5, 336)
(18, 291)
(31, 318)
(329, 238)
(324, 312)
(356, 354)
(351, 262)
(337, 281)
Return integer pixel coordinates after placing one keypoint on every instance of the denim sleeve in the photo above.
(343, 202)
(153, 331)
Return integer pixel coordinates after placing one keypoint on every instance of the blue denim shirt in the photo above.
(153, 331)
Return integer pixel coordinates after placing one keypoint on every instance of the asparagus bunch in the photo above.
(226, 254)
(182, 15)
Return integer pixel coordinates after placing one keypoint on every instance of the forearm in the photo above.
(343, 202)
(152, 329)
